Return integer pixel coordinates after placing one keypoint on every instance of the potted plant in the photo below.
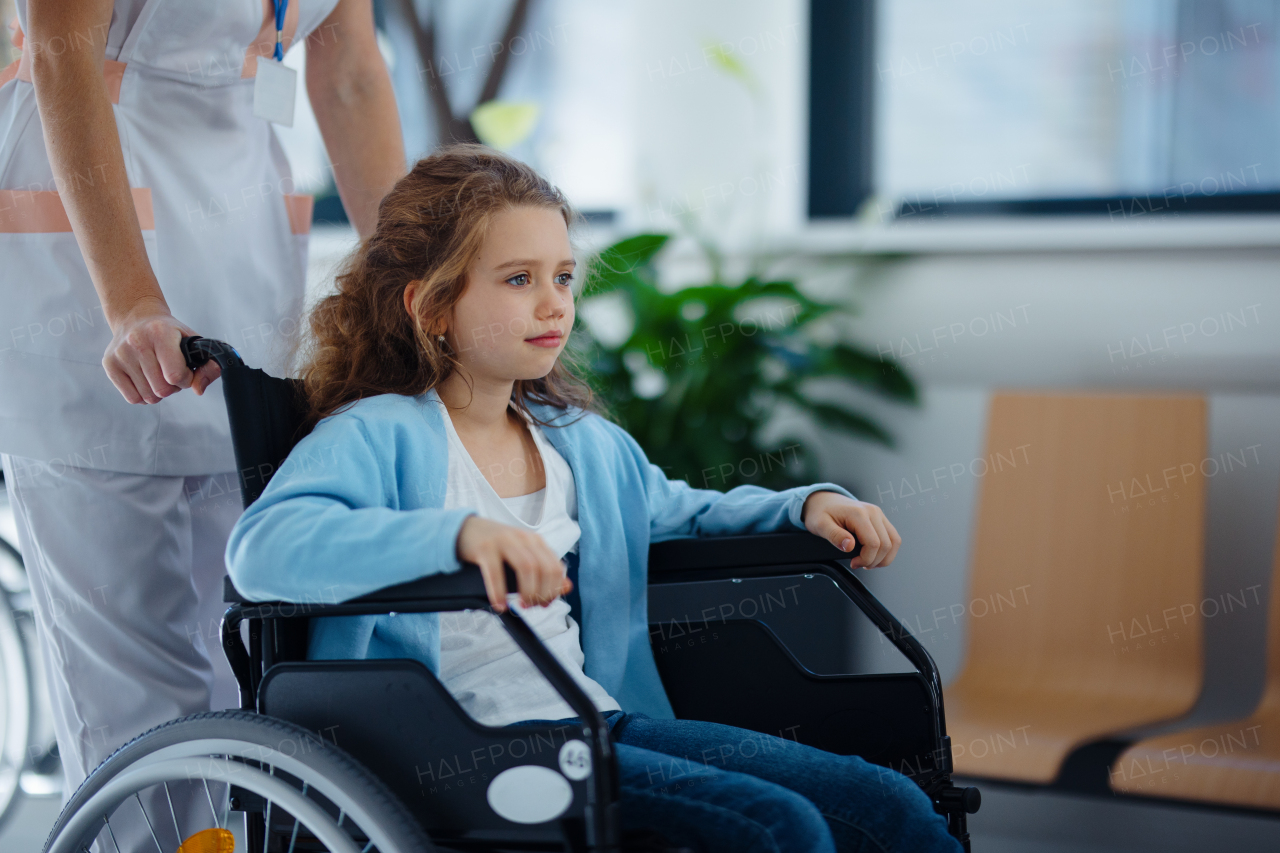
(699, 371)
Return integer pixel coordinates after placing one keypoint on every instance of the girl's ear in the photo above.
(410, 290)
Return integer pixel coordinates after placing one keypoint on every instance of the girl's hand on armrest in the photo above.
(488, 544)
(835, 517)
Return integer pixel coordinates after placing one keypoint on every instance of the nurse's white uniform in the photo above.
(123, 509)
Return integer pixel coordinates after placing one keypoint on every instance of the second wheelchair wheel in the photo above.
(15, 691)
(232, 781)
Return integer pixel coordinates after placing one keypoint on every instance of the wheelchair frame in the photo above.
(276, 679)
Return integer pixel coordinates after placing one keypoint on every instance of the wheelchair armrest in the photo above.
(464, 589)
(459, 590)
(756, 549)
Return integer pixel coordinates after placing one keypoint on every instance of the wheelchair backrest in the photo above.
(265, 411)
(266, 422)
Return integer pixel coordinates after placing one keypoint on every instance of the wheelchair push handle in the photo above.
(198, 350)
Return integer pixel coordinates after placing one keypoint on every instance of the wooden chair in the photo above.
(1086, 572)
(1235, 764)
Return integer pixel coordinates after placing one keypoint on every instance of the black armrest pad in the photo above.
(464, 583)
(757, 549)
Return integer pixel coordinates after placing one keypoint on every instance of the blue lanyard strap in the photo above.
(281, 6)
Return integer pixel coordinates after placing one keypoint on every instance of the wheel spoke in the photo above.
(226, 799)
(266, 824)
(177, 833)
(312, 790)
(293, 839)
(148, 820)
(112, 833)
(208, 794)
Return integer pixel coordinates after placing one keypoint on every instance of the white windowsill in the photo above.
(1033, 234)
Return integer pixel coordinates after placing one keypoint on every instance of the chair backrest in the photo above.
(266, 415)
(1086, 568)
(266, 412)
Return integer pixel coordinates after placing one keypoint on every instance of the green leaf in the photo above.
(634, 252)
(841, 419)
(858, 365)
(617, 266)
(730, 64)
(504, 124)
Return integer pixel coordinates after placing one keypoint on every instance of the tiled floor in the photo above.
(26, 829)
(1011, 821)
(1018, 820)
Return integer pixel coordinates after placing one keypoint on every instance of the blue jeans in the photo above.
(716, 788)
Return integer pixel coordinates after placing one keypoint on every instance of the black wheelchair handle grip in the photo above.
(193, 352)
(198, 350)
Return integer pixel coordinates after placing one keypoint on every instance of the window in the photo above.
(1113, 107)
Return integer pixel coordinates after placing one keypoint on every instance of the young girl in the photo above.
(450, 427)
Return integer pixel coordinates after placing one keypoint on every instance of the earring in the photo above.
(439, 337)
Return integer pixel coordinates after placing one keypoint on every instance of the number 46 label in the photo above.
(575, 760)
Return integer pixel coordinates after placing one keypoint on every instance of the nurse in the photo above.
(145, 196)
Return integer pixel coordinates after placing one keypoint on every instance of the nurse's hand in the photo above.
(540, 573)
(144, 360)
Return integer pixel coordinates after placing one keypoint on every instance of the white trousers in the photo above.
(126, 573)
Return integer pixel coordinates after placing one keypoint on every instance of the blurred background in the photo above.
(922, 220)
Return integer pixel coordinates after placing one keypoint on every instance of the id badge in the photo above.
(273, 91)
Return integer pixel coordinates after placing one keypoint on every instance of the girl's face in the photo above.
(518, 290)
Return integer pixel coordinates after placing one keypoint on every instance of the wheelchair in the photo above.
(16, 686)
(352, 756)
(29, 763)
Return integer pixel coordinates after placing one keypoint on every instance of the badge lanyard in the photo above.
(281, 7)
(275, 85)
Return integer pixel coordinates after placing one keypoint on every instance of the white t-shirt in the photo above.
(480, 665)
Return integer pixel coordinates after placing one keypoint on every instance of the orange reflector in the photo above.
(209, 841)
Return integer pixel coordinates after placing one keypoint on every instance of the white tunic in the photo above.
(224, 230)
(480, 665)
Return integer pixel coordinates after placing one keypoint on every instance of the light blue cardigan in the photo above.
(358, 506)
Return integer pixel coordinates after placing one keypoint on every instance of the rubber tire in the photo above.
(328, 761)
(16, 693)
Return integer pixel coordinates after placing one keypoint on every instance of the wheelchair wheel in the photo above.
(234, 780)
(15, 689)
